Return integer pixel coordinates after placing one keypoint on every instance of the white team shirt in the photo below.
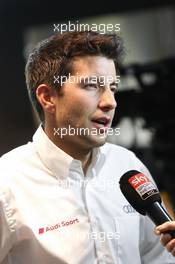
(50, 213)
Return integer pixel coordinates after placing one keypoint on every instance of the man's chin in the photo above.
(98, 140)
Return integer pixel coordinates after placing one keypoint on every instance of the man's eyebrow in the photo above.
(96, 79)
(114, 84)
(88, 78)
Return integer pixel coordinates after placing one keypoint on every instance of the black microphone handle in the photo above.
(158, 215)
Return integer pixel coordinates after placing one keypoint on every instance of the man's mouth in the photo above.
(101, 122)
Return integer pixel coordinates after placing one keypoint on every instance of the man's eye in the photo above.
(114, 89)
(90, 85)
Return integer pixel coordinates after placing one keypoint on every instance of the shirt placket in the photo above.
(101, 248)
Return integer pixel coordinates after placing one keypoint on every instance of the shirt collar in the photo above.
(54, 158)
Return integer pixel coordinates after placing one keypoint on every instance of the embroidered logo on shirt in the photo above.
(128, 209)
(42, 230)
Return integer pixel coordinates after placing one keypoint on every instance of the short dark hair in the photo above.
(54, 57)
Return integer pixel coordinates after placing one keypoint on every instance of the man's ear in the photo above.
(46, 95)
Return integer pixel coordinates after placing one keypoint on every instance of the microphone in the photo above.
(144, 197)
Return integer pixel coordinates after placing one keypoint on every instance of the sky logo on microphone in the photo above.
(143, 185)
(138, 180)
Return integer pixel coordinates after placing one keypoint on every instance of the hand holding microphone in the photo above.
(166, 239)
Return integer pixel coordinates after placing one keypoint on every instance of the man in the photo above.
(60, 200)
(165, 238)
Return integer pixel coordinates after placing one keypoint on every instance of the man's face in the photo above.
(85, 105)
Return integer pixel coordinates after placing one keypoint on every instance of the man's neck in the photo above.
(84, 155)
(86, 163)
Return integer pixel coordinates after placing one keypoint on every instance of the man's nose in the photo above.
(107, 100)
